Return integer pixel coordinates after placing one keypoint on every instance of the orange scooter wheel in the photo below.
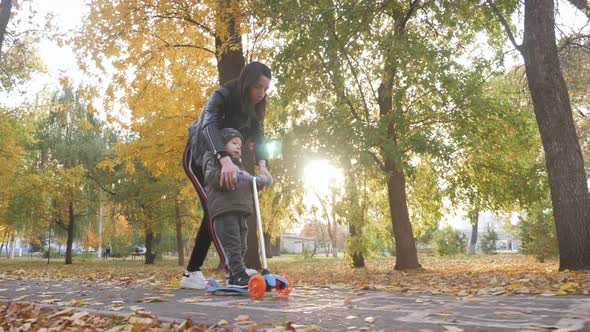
(256, 287)
(210, 283)
(284, 289)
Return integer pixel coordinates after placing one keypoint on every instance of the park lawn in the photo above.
(499, 274)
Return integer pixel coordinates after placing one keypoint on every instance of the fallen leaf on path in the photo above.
(152, 299)
(136, 308)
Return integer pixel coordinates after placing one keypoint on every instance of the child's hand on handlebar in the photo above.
(228, 177)
(265, 175)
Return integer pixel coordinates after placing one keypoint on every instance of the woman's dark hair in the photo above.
(249, 75)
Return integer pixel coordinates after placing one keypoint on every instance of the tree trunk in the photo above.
(474, 218)
(12, 244)
(70, 233)
(100, 217)
(230, 61)
(563, 157)
(405, 246)
(179, 246)
(358, 260)
(228, 41)
(267, 245)
(277, 247)
(150, 257)
(4, 242)
(5, 9)
(49, 243)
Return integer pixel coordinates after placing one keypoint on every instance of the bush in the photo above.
(308, 253)
(448, 241)
(54, 253)
(537, 232)
(488, 242)
(120, 248)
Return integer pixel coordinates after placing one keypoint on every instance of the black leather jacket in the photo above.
(224, 110)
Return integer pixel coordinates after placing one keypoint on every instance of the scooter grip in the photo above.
(250, 178)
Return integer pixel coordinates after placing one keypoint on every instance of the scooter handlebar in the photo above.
(259, 179)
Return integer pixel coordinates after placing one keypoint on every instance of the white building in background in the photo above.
(293, 244)
(506, 242)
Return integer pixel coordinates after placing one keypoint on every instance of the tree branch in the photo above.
(505, 25)
(377, 161)
(91, 177)
(581, 5)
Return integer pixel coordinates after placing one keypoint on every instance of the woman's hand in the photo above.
(264, 173)
(229, 172)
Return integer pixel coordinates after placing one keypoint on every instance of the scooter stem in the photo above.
(259, 226)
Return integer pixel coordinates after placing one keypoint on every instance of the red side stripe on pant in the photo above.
(201, 192)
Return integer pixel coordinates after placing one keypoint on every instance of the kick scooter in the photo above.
(258, 284)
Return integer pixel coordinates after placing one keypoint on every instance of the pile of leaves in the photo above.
(501, 274)
(33, 317)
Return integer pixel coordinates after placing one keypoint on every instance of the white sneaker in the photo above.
(193, 280)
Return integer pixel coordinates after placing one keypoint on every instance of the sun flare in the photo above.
(319, 175)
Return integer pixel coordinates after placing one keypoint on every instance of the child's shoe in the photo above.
(193, 280)
(249, 272)
(241, 281)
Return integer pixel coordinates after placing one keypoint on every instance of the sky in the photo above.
(59, 61)
(68, 16)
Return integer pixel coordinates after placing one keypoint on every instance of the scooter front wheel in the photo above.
(212, 284)
(283, 289)
(256, 287)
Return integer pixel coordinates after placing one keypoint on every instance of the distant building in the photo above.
(293, 244)
(506, 242)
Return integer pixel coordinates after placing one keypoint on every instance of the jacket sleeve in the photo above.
(212, 171)
(211, 120)
(260, 151)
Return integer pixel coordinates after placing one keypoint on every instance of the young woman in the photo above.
(238, 104)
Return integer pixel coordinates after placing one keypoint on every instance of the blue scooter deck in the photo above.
(213, 286)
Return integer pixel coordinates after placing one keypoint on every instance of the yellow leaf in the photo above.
(153, 299)
(90, 108)
(64, 81)
(570, 287)
(514, 286)
(86, 125)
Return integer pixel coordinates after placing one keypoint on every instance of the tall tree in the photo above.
(169, 47)
(68, 140)
(497, 162)
(388, 74)
(563, 156)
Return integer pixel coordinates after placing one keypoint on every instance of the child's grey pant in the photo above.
(231, 230)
